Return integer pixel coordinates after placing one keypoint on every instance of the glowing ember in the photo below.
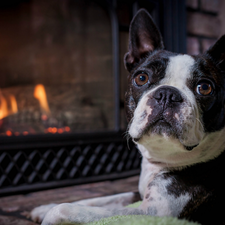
(55, 130)
(60, 130)
(67, 129)
(40, 95)
(8, 133)
(25, 133)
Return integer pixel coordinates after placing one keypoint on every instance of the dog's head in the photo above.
(175, 102)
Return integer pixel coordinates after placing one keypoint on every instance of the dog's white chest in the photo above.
(160, 198)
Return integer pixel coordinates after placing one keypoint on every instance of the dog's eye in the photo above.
(141, 79)
(204, 88)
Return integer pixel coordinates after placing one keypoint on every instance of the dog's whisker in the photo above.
(200, 123)
(126, 133)
(127, 136)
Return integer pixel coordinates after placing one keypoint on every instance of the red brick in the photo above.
(202, 24)
(210, 5)
(193, 46)
(222, 16)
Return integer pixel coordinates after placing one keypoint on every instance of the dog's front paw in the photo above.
(61, 214)
(38, 213)
(68, 213)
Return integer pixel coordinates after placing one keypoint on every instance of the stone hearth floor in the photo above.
(14, 208)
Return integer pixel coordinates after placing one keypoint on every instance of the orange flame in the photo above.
(40, 95)
(4, 110)
(3, 107)
(14, 108)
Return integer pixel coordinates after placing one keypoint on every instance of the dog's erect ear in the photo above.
(144, 39)
(217, 53)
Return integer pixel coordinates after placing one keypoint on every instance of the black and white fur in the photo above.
(179, 132)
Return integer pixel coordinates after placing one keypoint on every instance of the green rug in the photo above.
(141, 220)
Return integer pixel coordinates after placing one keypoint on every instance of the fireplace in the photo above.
(62, 87)
(56, 69)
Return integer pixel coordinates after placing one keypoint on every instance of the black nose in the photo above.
(167, 95)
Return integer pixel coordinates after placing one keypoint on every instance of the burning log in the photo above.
(38, 109)
(4, 109)
(40, 95)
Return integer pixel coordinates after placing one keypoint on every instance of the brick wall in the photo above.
(204, 24)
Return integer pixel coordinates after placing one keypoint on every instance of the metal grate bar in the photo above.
(66, 164)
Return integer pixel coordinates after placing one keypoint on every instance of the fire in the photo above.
(4, 109)
(8, 106)
(40, 95)
(55, 130)
(14, 108)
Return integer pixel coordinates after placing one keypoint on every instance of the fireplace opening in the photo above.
(62, 119)
(56, 68)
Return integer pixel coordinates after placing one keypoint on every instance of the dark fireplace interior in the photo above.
(56, 68)
(62, 84)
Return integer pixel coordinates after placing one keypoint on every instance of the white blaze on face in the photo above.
(178, 72)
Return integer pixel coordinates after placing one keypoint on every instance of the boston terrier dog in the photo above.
(175, 105)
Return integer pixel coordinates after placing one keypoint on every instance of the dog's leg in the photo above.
(112, 201)
(77, 214)
(109, 202)
(158, 201)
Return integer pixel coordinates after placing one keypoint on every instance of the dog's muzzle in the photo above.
(165, 112)
(165, 102)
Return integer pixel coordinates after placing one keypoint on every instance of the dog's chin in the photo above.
(166, 131)
(161, 128)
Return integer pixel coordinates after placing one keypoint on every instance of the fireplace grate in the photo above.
(29, 168)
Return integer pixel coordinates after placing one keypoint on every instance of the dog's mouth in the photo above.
(164, 128)
(189, 148)
(160, 127)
